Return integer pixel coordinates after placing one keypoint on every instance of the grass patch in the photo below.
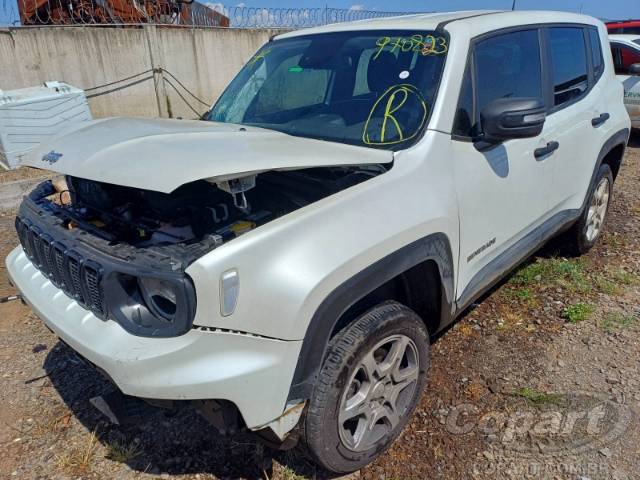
(524, 294)
(578, 312)
(53, 424)
(538, 398)
(625, 278)
(613, 321)
(569, 274)
(289, 474)
(77, 461)
(122, 452)
(607, 286)
(531, 274)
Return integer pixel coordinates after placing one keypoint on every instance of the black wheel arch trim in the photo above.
(435, 247)
(621, 137)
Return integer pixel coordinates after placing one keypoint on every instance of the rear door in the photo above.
(624, 56)
(502, 191)
(577, 113)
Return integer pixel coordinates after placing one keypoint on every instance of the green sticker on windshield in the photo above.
(295, 69)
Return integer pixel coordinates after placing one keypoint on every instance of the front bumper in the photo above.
(251, 371)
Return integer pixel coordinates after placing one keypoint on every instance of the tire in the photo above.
(584, 234)
(359, 369)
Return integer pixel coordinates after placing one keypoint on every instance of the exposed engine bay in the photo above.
(122, 252)
(197, 210)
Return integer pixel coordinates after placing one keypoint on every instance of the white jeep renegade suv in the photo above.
(284, 262)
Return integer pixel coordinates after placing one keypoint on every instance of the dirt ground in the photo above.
(541, 379)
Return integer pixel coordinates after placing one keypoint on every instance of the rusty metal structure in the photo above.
(121, 12)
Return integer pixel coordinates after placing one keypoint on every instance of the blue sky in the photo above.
(611, 9)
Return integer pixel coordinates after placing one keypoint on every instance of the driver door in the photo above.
(502, 190)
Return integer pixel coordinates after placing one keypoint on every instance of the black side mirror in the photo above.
(634, 69)
(507, 118)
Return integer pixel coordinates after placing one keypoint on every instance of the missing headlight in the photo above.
(160, 297)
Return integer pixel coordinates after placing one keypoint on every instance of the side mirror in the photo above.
(507, 118)
(634, 69)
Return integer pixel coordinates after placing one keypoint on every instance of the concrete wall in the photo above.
(204, 60)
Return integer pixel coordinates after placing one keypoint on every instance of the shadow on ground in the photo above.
(176, 441)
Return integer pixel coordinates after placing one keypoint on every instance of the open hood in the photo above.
(162, 154)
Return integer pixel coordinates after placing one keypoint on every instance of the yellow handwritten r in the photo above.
(390, 110)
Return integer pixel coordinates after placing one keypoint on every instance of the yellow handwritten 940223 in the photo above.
(424, 44)
(382, 126)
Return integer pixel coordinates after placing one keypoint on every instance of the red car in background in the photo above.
(624, 26)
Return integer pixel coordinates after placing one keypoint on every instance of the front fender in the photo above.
(434, 247)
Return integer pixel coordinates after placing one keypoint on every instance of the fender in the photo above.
(434, 247)
(621, 137)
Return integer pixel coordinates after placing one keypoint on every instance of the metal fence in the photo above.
(172, 12)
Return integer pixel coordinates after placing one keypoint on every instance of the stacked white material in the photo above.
(29, 116)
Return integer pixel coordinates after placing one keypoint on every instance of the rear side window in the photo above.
(623, 57)
(506, 66)
(568, 63)
(596, 52)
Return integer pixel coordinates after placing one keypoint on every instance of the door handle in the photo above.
(544, 151)
(596, 122)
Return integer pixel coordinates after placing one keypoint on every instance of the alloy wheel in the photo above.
(378, 393)
(598, 209)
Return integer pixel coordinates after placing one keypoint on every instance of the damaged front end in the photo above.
(121, 252)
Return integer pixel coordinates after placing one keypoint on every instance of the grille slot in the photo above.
(91, 275)
(79, 278)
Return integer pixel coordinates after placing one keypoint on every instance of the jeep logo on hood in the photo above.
(51, 157)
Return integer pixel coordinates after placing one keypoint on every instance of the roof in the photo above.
(474, 21)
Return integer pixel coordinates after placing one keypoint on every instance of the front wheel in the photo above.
(584, 234)
(368, 387)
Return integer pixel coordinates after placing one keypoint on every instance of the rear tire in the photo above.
(584, 234)
(368, 387)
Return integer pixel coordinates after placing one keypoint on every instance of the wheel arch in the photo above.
(426, 263)
(612, 152)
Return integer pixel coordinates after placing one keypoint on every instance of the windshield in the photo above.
(369, 88)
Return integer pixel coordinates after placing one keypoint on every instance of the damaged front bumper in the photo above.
(252, 372)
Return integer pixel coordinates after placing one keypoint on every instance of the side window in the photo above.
(596, 52)
(624, 57)
(568, 63)
(506, 66)
(291, 86)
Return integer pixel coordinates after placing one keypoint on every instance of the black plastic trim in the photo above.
(434, 247)
(116, 271)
